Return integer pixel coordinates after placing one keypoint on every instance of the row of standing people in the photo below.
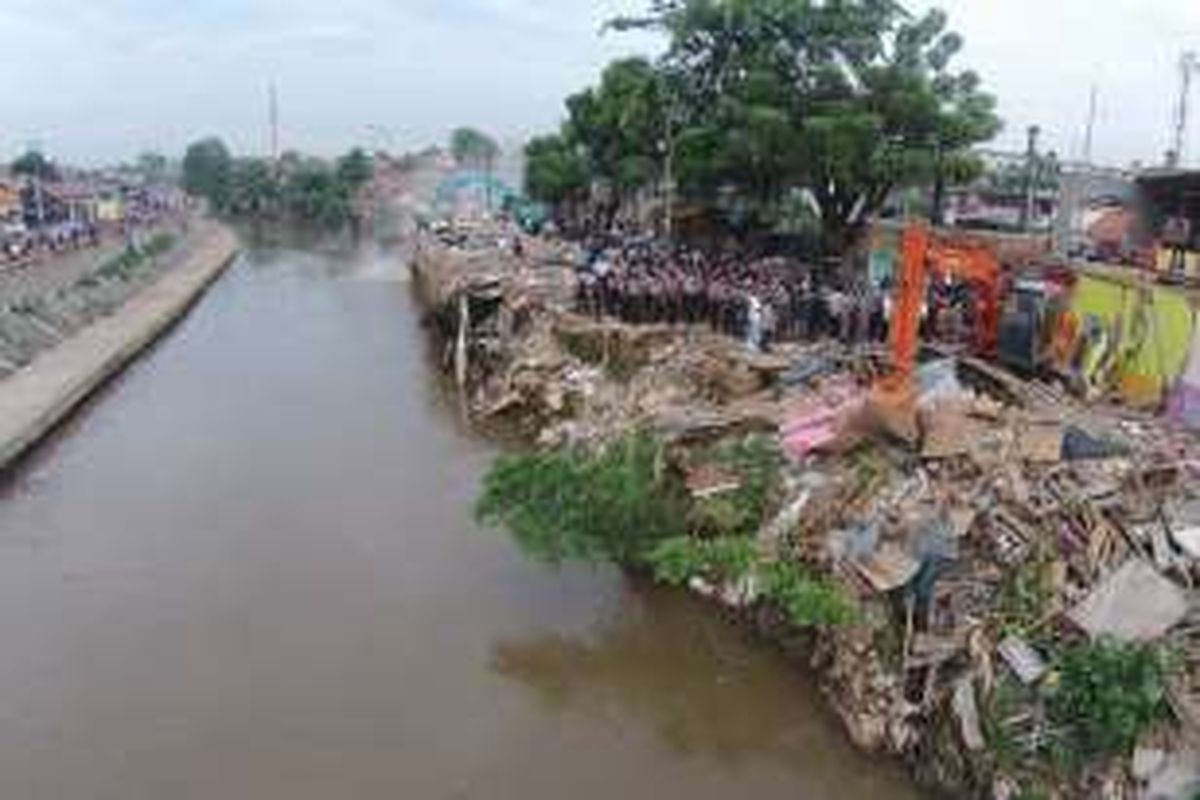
(761, 303)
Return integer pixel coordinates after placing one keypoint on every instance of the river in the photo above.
(247, 570)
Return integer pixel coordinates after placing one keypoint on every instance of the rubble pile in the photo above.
(1019, 525)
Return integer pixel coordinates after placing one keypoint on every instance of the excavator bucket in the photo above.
(893, 409)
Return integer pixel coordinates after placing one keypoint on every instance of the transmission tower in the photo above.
(273, 120)
(1189, 65)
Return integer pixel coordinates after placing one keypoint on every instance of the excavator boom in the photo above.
(922, 254)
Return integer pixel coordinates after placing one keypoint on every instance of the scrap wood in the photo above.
(888, 568)
(710, 480)
(1041, 442)
(967, 711)
(1012, 537)
(927, 649)
(1015, 390)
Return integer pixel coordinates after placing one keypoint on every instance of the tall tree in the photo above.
(475, 148)
(620, 128)
(845, 100)
(34, 164)
(556, 174)
(152, 166)
(207, 171)
(354, 169)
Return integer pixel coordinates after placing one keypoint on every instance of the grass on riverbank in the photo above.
(624, 504)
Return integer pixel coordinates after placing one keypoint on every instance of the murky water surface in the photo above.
(248, 571)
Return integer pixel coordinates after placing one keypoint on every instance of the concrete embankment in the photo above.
(39, 396)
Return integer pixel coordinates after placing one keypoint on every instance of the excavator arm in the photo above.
(923, 254)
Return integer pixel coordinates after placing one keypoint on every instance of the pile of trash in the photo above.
(1020, 523)
(1007, 533)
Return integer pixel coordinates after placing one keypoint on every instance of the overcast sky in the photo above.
(100, 80)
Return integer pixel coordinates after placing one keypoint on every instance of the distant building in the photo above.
(1171, 200)
(997, 200)
(10, 201)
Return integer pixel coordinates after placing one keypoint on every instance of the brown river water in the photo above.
(247, 570)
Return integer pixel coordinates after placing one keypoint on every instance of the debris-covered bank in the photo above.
(1008, 604)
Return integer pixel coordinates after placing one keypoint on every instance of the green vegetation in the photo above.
(1107, 695)
(755, 460)
(207, 171)
(1097, 703)
(130, 260)
(474, 148)
(295, 188)
(34, 164)
(1025, 596)
(620, 504)
(765, 112)
(677, 560)
(808, 600)
(612, 505)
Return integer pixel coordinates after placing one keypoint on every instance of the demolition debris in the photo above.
(1024, 541)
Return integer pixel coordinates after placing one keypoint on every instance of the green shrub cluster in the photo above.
(756, 462)
(131, 259)
(610, 505)
(808, 601)
(1106, 695)
(677, 560)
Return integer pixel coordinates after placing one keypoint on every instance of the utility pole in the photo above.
(1091, 127)
(1189, 65)
(273, 120)
(1031, 170)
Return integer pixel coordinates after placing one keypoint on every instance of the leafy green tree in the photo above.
(254, 188)
(354, 169)
(556, 172)
(207, 171)
(153, 166)
(314, 194)
(846, 100)
(474, 148)
(620, 127)
(34, 164)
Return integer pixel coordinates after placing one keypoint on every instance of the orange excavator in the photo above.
(926, 254)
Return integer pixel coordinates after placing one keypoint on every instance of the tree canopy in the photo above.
(34, 164)
(295, 187)
(473, 147)
(755, 100)
(354, 169)
(207, 169)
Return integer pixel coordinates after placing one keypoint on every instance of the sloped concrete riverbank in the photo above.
(39, 396)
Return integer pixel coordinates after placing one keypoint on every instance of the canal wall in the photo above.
(42, 394)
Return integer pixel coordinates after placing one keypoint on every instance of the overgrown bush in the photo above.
(1106, 695)
(677, 560)
(756, 462)
(809, 601)
(610, 505)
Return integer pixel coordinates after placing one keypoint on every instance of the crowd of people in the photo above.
(758, 300)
